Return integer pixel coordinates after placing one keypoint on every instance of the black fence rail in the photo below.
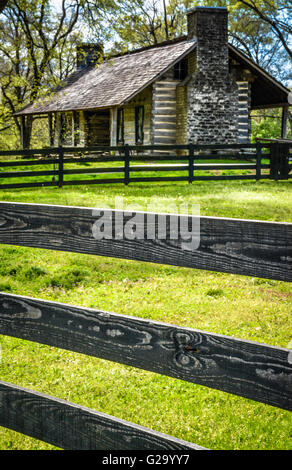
(248, 369)
(188, 163)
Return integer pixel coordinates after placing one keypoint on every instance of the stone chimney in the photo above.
(212, 93)
(88, 54)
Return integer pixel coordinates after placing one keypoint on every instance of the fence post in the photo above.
(191, 163)
(274, 161)
(127, 164)
(259, 160)
(284, 161)
(61, 167)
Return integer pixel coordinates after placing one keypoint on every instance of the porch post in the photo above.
(51, 130)
(113, 115)
(284, 122)
(76, 128)
(22, 132)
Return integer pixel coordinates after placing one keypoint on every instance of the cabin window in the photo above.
(181, 70)
(139, 124)
(120, 127)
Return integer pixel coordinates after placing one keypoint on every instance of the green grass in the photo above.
(239, 306)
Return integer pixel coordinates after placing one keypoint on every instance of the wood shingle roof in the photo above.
(113, 82)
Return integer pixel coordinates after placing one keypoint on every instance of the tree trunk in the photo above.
(26, 129)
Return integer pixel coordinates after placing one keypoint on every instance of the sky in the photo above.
(57, 4)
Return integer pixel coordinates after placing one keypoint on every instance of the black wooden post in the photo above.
(274, 161)
(191, 163)
(284, 161)
(259, 160)
(127, 164)
(51, 132)
(61, 166)
(284, 122)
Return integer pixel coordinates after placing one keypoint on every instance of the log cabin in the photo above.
(197, 88)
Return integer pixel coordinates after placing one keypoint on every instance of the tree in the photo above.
(266, 123)
(276, 14)
(141, 23)
(31, 37)
(37, 48)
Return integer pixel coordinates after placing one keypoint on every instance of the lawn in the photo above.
(239, 306)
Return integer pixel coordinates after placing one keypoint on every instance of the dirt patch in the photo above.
(279, 295)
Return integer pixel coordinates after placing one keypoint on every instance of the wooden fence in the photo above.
(248, 369)
(248, 162)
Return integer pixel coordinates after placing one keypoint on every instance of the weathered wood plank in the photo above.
(74, 427)
(203, 166)
(153, 167)
(246, 247)
(28, 185)
(252, 370)
(19, 174)
(28, 152)
(99, 148)
(106, 159)
(37, 162)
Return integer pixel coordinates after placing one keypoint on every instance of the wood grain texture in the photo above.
(74, 427)
(248, 369)
(246, 247)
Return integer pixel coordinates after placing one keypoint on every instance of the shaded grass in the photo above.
(239, 306)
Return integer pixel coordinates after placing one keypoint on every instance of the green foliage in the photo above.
(267, 124)
(38, 51)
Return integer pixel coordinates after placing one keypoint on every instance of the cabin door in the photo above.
(98, 127)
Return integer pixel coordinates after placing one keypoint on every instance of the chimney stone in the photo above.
(88, 54)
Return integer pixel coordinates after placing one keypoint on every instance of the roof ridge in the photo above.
(167, 42)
